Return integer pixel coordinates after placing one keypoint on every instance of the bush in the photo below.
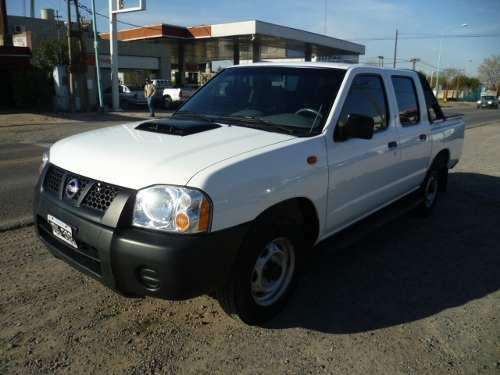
(32, 88)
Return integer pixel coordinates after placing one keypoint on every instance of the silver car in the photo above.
(130, 96)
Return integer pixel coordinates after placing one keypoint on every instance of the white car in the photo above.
(230, 194)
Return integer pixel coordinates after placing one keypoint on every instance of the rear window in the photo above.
(406, 97)
(434, 111)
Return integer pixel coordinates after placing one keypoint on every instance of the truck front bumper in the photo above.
(137, 262)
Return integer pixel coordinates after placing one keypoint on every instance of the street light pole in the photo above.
(438, 66)
(96, 54)
(113, 53)
(439, 58)
(395, 50)
(115, 7)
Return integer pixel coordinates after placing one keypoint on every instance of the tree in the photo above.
(447, 78)
(463, 82)
(49, 54)
(489, 72)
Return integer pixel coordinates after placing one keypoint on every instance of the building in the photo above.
(199, 51)
(185, 55)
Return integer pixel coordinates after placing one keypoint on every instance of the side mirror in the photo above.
(356, 126)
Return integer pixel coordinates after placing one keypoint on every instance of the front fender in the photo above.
(243, 187)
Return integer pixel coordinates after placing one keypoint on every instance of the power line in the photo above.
(430, 36)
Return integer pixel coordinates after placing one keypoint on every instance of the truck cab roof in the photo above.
(332, 65)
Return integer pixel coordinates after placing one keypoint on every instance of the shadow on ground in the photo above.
(409, 269)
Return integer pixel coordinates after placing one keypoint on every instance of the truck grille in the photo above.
(92, 194)
(100, 196)
(53, 179)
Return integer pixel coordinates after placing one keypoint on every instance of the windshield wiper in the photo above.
(258, 123)
(191, 114)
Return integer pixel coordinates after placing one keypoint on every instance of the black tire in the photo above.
(124, 104)
(238, 297)
(434, 183)
(167, 102)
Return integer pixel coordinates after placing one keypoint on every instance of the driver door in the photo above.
(362, 172)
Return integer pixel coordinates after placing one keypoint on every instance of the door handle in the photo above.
(392, 144)
(422, 137)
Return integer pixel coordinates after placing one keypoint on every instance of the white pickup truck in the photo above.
(172, 96)
(229, 195)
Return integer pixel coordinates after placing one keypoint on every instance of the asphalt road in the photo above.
(474, 116)
(21, 148)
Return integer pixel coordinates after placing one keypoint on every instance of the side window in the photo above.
(406, 96)
(433, 108)
(367, 98)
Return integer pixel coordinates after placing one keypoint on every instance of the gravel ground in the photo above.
(419, 296)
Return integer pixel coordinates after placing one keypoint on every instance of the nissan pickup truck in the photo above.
(230, 195)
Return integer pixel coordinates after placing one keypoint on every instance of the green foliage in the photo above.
(489, 72)
(50, 53)
(32, 88)
(464, 82)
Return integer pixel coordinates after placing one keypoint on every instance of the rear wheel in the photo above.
(264, 273)
(434, 182)
(167, 102)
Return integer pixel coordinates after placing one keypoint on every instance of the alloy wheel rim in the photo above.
(273, 271)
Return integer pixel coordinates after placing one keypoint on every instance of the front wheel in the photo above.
(264, 273)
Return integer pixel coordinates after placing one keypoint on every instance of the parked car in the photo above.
(175, 96)
(230, 194)
(488, 101)
(161, 83)
(129, 96)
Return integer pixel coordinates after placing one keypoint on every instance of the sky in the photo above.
(354, 20)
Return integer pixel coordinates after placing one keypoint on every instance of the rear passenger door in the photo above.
(414, 130)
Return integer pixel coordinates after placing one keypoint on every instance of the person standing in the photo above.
(149, 93)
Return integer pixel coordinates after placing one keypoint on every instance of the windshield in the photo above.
(292, 100)
(488, 98)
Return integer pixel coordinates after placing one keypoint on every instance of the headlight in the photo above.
(172, 209)
(45, 160)
(490, 102)
(479, 102)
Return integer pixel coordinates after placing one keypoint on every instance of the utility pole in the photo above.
(96, 54)
(4, 30)
(414, 61)
(113, 52)
(395, 49)
(32, 9)
(82, 64)
(381, 61)
(70, 58)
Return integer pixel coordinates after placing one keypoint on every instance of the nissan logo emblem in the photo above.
(72, 188)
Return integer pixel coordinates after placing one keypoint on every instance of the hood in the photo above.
(126, 156)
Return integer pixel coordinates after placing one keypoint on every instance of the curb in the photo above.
(22, 222)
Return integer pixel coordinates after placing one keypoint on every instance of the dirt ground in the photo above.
(421, 296)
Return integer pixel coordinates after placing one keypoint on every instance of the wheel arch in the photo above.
(441, 162)
(300, 209)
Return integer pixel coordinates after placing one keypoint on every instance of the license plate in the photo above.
(62, 231)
